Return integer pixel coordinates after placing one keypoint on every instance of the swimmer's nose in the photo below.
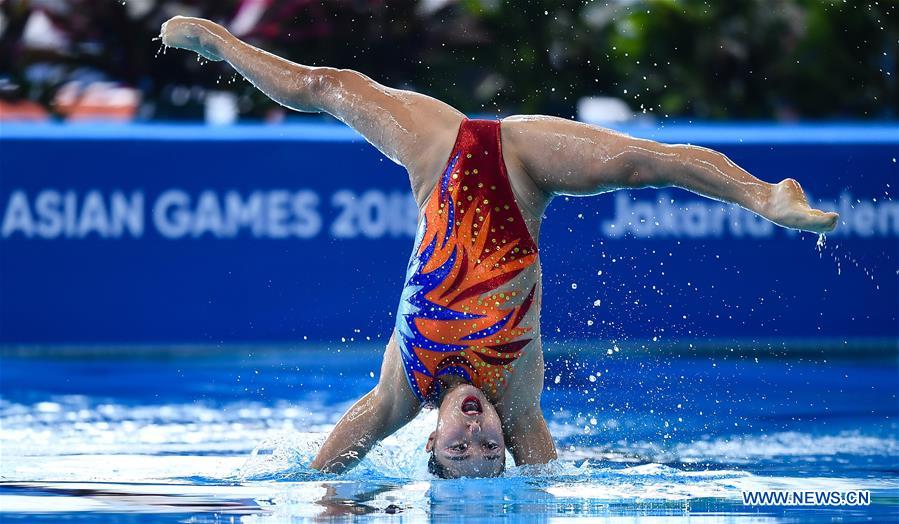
(474, 426)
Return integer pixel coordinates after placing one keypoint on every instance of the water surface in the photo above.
(201, 434)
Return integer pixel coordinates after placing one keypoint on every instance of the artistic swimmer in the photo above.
(467, 334)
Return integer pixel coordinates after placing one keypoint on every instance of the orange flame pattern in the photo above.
(471, 260)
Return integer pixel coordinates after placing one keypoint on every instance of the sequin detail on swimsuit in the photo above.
(460, 312)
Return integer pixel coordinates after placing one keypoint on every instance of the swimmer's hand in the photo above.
(787, 206)
(194, 34)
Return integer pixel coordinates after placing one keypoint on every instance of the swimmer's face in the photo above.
(468, 441)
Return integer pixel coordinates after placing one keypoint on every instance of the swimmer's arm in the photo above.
(566, 157)
(529, 440)
(377, 415)
(370, 420)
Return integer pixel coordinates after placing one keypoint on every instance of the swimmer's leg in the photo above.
(596, 160)
(412, 129)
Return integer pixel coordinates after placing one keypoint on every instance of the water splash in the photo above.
(822, 240)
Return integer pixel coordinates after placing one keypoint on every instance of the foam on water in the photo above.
(248, 442)
(76, 425)
(743, 449)
(139, 453)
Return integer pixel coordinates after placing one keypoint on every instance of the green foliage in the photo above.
(727, 59)
(759, 59)
(745, 59)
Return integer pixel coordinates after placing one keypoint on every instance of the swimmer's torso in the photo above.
(470, 302)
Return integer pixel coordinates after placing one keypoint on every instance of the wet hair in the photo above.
(439, 470)
(436, 468)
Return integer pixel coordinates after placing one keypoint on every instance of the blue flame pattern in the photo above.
(414, 303)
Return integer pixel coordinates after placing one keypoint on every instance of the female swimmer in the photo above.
(467, 334)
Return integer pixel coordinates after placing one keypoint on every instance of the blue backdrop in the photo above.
(143, 233)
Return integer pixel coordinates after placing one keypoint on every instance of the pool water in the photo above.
(197, 434)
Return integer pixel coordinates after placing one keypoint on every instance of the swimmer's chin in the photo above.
(458, 393)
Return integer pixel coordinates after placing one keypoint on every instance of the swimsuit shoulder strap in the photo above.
(477, 134)
(482, 139)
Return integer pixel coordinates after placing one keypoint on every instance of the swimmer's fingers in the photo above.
(193, 34)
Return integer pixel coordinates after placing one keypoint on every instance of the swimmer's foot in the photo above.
(787, 206)
(194, 34)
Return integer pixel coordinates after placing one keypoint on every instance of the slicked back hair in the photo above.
(439, 470)
(436, 468)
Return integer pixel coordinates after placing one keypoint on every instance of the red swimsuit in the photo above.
(453, 318)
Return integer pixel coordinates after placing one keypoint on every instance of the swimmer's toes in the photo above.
(821, 222)
(190, 34)
(830, 221)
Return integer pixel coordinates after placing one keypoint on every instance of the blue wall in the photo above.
(143, 233)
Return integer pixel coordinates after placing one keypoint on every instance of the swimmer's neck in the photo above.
(450, 382)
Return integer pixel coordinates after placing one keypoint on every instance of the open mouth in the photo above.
(471, 406)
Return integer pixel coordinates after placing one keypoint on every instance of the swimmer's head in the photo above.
(468, 441)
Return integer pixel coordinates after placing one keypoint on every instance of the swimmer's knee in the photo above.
(329, 83)
(322, 80)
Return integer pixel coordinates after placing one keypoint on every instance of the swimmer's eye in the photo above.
(492, 446)
(460, 447)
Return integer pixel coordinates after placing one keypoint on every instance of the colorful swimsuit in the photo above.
(453, 319)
